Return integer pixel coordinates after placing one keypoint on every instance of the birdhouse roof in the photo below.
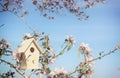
(26, 44)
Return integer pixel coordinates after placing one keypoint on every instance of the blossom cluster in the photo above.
(70, 39)
(3, 46)
(85, 68)
(118, 47)
(17, 56)
(59, 73)
(28, 36)
(85, 49)
(69, 42)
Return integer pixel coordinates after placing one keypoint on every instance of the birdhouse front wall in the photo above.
(32, 57)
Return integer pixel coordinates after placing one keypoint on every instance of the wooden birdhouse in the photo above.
(29, 50)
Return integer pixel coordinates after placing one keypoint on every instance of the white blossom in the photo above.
(71, 39)
(85, 49)
(58, 71)
(118, 47)
(53, 59)
(27, 36)
(17, 56)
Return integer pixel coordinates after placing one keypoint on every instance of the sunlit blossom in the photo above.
(3, 41)
(85, 49)
(53, 59)
(4, 44)
(27, 36)
(86, 76)
(58, 71)
(118, 47)
(1, 45)
(17, 56)
(70, 39)
(89, 71)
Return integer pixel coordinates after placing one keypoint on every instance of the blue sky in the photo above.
(100, 31)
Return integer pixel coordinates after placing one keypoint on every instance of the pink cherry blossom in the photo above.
(53, 59)
(17, 56)
(85, 49)
(71, 39)
(118, 47)
(58, 71)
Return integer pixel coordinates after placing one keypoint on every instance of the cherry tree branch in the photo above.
(34, 72)
(10, 51)
(97, 58)
(23, 20)
(2, 25)
(13, 66)
(110, 52)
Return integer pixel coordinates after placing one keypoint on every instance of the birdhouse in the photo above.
(29, 54)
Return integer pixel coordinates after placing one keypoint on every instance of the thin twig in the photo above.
(7, 54)
(10, 51)
(72, 72)
(23, 20)
(113, 51)
(2, 25)
(13, 66)
(33, 72)
(62, 50)
(1, 5)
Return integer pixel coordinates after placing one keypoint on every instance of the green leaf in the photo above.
(62, 52)
(45, 44)
(48, 70)
(2, 52)
(45, 61)
(84, 68)
(99, 57)
(69, 46)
